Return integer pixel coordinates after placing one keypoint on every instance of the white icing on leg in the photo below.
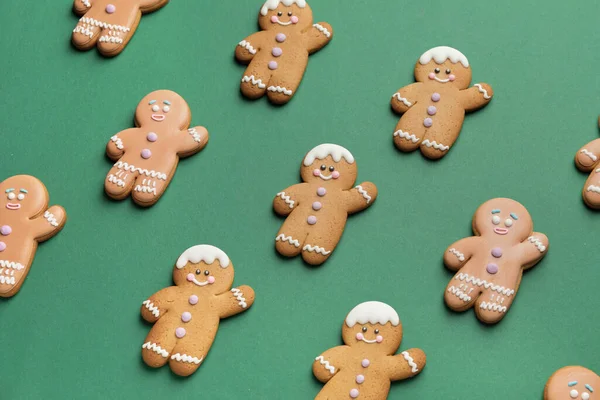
(11, 264)
(247, 46)
(239, 295)
(483, 283)
(591, 155)
(131, 168)
(326, 364)
(407, 136)
(280, 89)
(460, 294)
(492, 307)
(402, 99)
(155, 348)
(254, 81)
(315, 249)
(435, 145)
(410, 361)
(363, 193)
(147, 186)
(117, 181)
(187, 359)
(593, 188)
(283, 238)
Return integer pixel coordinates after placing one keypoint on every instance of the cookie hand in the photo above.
(249, 47)
(117, 145)
(288, 199)
(361, 197)
(326, 365)
(405, 97)
(82, 6)
(235, 301)
(458, 253)
(476, 97)
(317, 36)
(587, 157)
(406, 364)
(49, 223)
(158, 304)
(533, 249)
(192, 141)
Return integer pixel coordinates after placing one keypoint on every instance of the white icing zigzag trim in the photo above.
(11, 264)
(6, 280)
(280, 89)
(402, 99)
(410, 361)
(435, 145)
(364, 193)
(118, 142)
(50, 218)
(247, 46)
(482, 282)
(593, 188)
(321, 28)
(117, 181)
(254, 81)
(131, 168)
(145, 188)
(537, 243)
(283, 238)
(152, 308)
(460, 294)
(155, 348)
(589, 154)
(458, 254)
(482, 90)
(240, 297)
(316, 249)
(186, 358)
(195, 134)
(83, 29)
(406, 135)
(492, 307)
(86, 3)
(288, 200)
(326, 364)
(110, 39)
(104, 25)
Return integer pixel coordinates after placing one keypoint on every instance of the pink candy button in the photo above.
(317, 205)
(110, 9)
(365, 363)
(427, 122)
(280, 37)
(360, 378)
(152, 137)
(180, 332)
(193, 299)
(431, 110)
(5, 230)
(277, 52)
(321, 191)
(311, 220)
(435, 97)
(273, 65)
(146, 154)
(354, 393)
(186, 317)
(2, 246)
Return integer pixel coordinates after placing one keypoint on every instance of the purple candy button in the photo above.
(311, 220)
(354, 393)
(492, 268)
(186, 316)
(193, 299)
(5, 230)
(152, 137)
(360, 378)
(272, 64)
(365, 363)
(497, 252)
(280, 37)
(180, 332)
(317, 205)
(110, 9)
(146, 154)
(427, 122)
(321, 191)
(2, 246)
(277, 52)
(431, 110)
(435, 97)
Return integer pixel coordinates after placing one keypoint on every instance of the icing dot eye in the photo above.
(332, 168)
(206, 273)
(280, 13)
(448, 72)
(585, 396)
(437, 70)
(11, 196)
(376, 331)
(508, 222)
(323, 167)
(166, 109)
(290, 14)
(198, 272)
(155, 108)
(495, 220)
(364, 329)
(573, 393)
(21, 196)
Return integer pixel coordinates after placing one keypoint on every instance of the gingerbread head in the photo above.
(329, 165)
(444, 65)
(163, 109)
(24, 195)
(504, 220)
(205, 268)
(285, 16)
(573, 383)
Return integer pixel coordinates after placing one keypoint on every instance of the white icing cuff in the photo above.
(322, 29)
(537, 243)
(152, 308)
(118, 142)
(482, 90)
(402, 99)
(326, 364)
(50, 218)
(195, 135)
(458, 254)
(247, 46)
(593, 188)
(286, 198)
(410, 361)
(240, 297)
(363, 193)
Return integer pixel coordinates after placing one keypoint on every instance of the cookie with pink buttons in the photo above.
(434, 107)
(109, 24)
(317, 209)
(147, 156)
(367, 363)
(278, 54)
(186, 316)
(586, 160)
(573, 382)
(490, 265)
(25, 221)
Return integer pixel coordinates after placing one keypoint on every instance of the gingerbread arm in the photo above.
(117, 145)
(288, 199)
(158, 304)
(476, 97)
(405, 97)
(533, 249)
(192, 141)
(82, 6)
(587, 157)
(247, 48)
(49, 223)
(317, 36)
(361, 197)
(406, 364)
(328, 364)
(235, 301)
(458, 253)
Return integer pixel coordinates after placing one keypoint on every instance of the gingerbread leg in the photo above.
(119, 182)
(439, 138)
(113, 41)
(187, 357)
(147, 189)
(492, 306)
(408, 135)
(254, 81)
(319, 245)
(591, 190)
(85, 35)
(290, 238)
(461, 294)
(159, 344)
(286, 78)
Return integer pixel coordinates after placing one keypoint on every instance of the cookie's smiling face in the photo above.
(24, 194)
(163, 107)
(503, 218)
(373, 337)
(573, 383)
(327, 171)
(207, 277)
(446, 73)
(284, 18)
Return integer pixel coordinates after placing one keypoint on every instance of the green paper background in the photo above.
(74, 330)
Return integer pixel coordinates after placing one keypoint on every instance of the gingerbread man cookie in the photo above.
(490, 265)
(25, 221)
(586, 160)
(147, 156)
(109, 23)
(278, 54)
(434, 107)
(317, 209)
(186, 316)
(367, 364)
(570, 383)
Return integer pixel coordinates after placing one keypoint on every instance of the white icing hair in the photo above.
(372, 312)
(202, 252)
(327, 149)
(443, 53)
(272, 4)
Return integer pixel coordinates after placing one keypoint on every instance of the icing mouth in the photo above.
(158, 117)
(325, 178)
(501, 231)
(369, 341)
(13, 206)
(441, 80)
(284, 23)
(196, 282)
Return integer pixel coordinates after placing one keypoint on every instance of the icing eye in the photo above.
(323, 167)
(437, 70)
(495, 220)
(332, 168)
(508, 222)
(448, 72)
(21, 196)
(166, 109)
(280, 13)
(198, 272)
(11, 196)
(573, 393)
(364, 329)
(206, 273)
(376, 331)
(155, 108)
(585, 396)
(290, 14)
